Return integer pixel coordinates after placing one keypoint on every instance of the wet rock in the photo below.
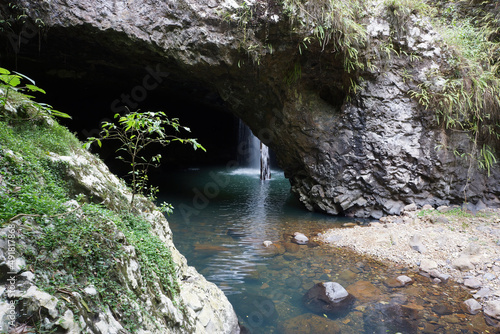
(442, 309)
(392, 282)
(291, 247)
(309, 323)
(235, 233)
(273, 250)
(293, 282)
(451, 318)
(404, 279)
(390, 318)
(437, 274)
(412, 311)
(471, 306)
(329, 298)
(267, 243)
(416, 243)
(398, 282)
(364, 291)
(312, 244)
(492, 309)
(347, 276)
(473, 283)
(492, 322)
(300, 238)
(255, 309)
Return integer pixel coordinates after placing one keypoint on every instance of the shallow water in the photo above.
(223, 215)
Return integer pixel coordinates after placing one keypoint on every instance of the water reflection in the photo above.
(223, 240)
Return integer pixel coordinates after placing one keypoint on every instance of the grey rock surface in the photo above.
(369, 155)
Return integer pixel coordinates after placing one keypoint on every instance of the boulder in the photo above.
(427, 265)
(471, 306)
(328, 298)
(473, 283)
(492, 309)
(462, 263)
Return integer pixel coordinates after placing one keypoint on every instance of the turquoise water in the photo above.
(223, 215)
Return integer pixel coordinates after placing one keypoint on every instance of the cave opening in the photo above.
(92, 92)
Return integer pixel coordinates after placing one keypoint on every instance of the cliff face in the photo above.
(48, 284)
(363, 149)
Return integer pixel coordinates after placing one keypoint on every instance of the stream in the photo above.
(223, 215)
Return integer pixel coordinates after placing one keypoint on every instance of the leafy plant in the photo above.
(331, 22)
(136, 131)
(11, 82)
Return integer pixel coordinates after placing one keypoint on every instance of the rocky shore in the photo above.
(447, 243)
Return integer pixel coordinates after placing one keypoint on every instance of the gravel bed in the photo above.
(441, 243)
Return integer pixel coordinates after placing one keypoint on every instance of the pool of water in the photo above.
(222, 217)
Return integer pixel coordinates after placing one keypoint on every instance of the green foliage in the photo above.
(72, 248)
(335, 23)
(136, 131)
(11, 82)
(31, 183)
(465, 92)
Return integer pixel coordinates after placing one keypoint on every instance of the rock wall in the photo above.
(365, 156)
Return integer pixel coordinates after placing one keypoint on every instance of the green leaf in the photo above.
(11, 80)
(35, 89)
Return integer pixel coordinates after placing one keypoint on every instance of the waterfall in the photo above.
(265, 169)
(252, 153)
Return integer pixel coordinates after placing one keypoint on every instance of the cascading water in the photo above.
(265, 170)
(252, 153)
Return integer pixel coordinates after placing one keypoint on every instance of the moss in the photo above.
(69, 249)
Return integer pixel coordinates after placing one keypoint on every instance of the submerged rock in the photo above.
(364, 291)
(472, 306)
(309, 324)
(300, 238)
(329, 298)
(492, 309)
